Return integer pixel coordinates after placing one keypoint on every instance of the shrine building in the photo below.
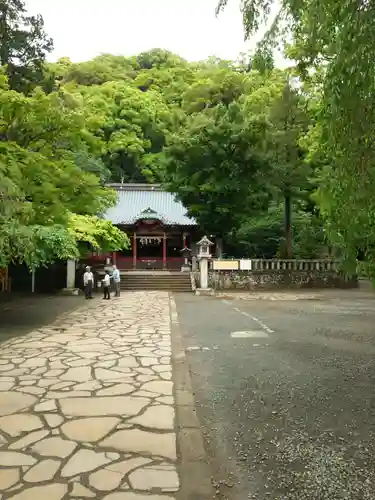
(156, 224)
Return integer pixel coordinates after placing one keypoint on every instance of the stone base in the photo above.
(185, 269)
(71, 291)
(204, 291)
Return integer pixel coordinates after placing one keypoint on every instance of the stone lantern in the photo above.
(203, 257)
(186, 253)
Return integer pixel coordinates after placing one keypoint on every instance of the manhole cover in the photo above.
(249, 334)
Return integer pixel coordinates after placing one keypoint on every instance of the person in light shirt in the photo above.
(116, 280)
(106, 285)
(88, 282)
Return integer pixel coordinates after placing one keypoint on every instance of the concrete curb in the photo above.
(194, 468)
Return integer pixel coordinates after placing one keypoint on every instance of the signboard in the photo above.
(145, 241)
(225, 265)
(245, 264)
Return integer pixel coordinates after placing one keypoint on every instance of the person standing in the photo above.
(116, 280)
(106, 285)
(88, 282)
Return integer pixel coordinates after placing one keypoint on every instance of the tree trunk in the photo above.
(288, 225)
(219, 247)
(4, 49)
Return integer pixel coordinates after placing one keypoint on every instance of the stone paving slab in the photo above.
(87, 407)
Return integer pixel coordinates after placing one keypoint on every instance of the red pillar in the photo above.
(164, 251)
(135, 250)
(183, 240)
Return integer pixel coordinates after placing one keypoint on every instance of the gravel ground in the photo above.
(288, 413)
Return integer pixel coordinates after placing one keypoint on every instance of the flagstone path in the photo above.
(86, 405)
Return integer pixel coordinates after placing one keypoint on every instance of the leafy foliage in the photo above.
(222, 135)
(98, 233)
(41, 182)
(131, 125)
(333, 44)
(264, 236)
(23, 45)
(229, 138)
(217, 166)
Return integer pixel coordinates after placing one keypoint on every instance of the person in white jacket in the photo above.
(88, 283)
(106, 285)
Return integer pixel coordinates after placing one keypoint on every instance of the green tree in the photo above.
(218, 167)
(101, 69)
(42, 185)
(338, 40)
(170, 82)
(289, 124)
(260, 236)
(262, 60)
(92, 164)
(214, 84)
(263, 236)
(271, 94)
(131, 125)
(223, 135)
(23, 45)
(96, 233)
(158, 58)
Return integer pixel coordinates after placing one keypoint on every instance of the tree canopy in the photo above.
(262, 156)
(333, 44)
(210, 132)
(23, 45)
(218, 167)
(41, 184)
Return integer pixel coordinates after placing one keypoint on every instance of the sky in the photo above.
(82, 29)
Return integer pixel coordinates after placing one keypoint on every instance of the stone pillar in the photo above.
(71, 274)
(203, 268)
(164, 251)
(134, 250)
(70, 279)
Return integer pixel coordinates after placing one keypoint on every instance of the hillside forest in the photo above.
(279, 163)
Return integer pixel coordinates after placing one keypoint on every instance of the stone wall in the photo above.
(277, 279)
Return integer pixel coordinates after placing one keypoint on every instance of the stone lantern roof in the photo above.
(205, 242)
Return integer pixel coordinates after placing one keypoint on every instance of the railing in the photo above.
(274, 265)
(294, 265)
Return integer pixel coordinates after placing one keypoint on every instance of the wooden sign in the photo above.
(225, 265)
(245, 264)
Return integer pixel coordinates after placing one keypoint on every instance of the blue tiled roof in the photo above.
(135, 199)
